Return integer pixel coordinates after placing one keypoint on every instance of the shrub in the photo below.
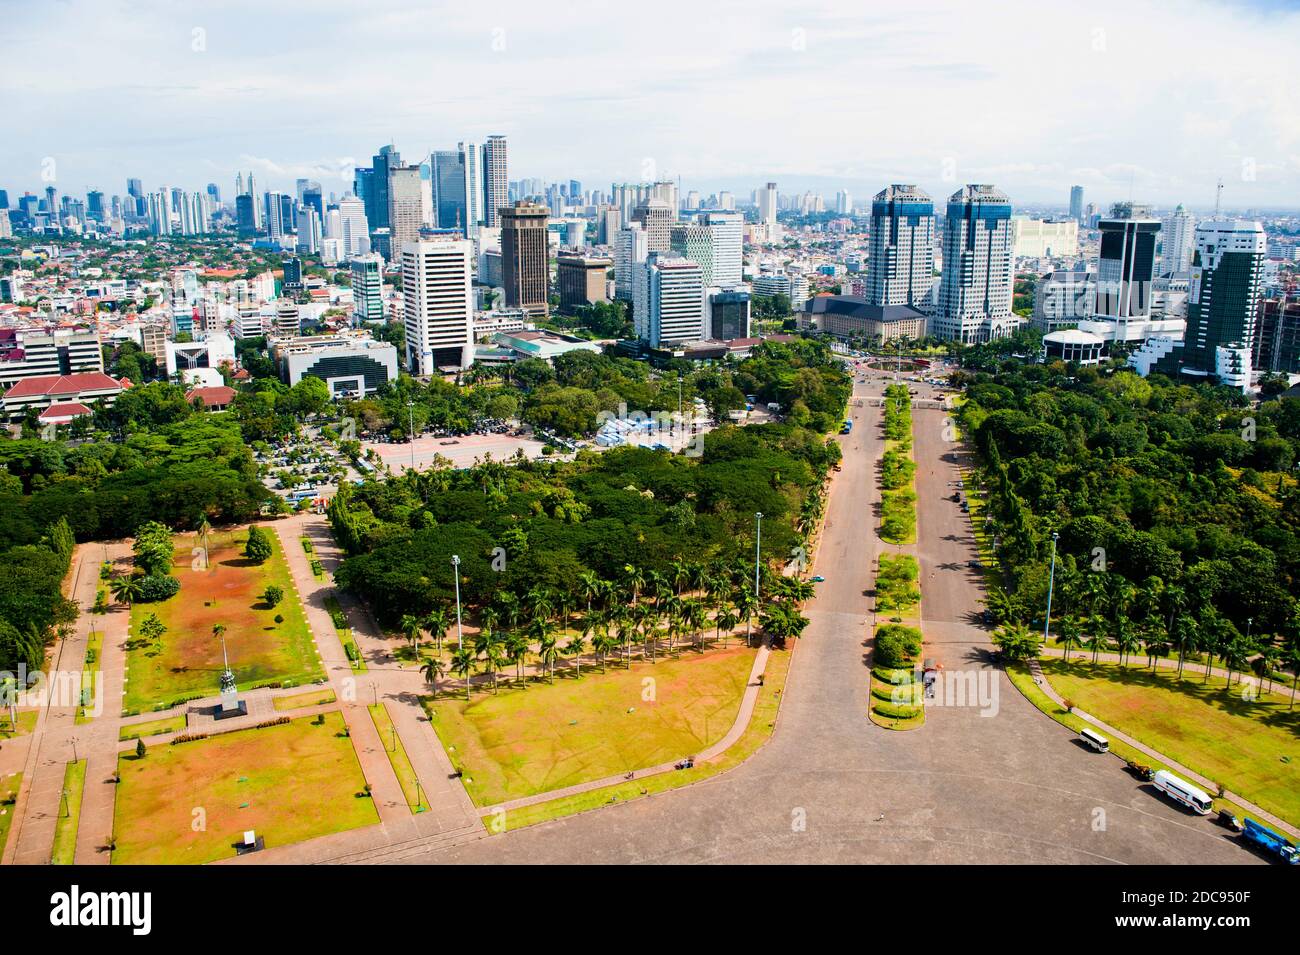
(273, 595)
(896, 711)
(896, 645)
(258, 547)
(156, 587)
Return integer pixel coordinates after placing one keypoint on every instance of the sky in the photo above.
(1133, 100)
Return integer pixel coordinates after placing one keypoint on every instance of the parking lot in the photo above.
(461, 451)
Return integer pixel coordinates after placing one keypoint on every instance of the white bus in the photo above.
(1182, 792)
(1095, 740)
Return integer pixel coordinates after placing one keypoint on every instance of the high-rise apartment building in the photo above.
(975, 290)
(367, 289)
(496, 180)
(524, 257)
(471, 159)
(438, 301)
(900, 269)
(354, 230)
(728, 237)
(1277, 337)
(1076, 203)
(669, 301)
(767, 198)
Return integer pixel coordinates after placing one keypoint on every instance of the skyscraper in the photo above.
(630, 252)
(354, 230)
(975, 290)
(1177, 235)
(367, 289)
(900, 270)
(496, 180)
(447, 181)
(1223, 301)
(524, 257)
(405, 206)
(728, 229)
(669, 300)
(471, 159)
(438, 301)
(1076, 203)
(656, 219)
(377, 198)
(695, 242)
(767, 211)
(1125, 271)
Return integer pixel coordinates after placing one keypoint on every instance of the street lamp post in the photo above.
(1051, 582)
(455, 566)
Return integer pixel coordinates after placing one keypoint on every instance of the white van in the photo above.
(1094, 740)
(1182, 792)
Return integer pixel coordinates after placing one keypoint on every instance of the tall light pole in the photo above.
(410, 432)
(455, 568)
(1051, 582)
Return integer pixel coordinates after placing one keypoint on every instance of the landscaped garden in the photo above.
(897, 469)
(521, 741)
(175, 653)
(288, 782)
(897, 695)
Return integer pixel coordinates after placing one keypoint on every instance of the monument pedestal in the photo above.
(230, 705)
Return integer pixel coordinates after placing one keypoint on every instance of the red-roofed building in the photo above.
(44, 391)
(64, 413)
(214, 399)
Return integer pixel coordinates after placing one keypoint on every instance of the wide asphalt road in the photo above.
(1010, 787)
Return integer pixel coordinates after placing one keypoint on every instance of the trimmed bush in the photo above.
(896, 645)
(157, 587)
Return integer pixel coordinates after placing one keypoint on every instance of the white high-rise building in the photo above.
(670, 301)
(843, 202)
(728, 229)
(1177, 236)
(767, 211)
(439, 301)
(631, 248)
(354, 230)
(900, 270)
(975, 290)
(496, 180)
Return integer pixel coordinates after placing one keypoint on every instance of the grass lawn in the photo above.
(90, 668)
(523, 741)
(187, 662)
(909, 712)
(289, 782)
(26, 723)
(65, 828)
(168, 724)
(344, 633)
(411, 789)
(1251, 748)
(295, 701)
(8, 796)
(756, 734)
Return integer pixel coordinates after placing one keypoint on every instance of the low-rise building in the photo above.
(351, 365)
(848, 316)
(44, 391)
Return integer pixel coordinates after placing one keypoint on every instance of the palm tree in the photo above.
(126, 590)
(1126, 636)
(492, 659)
(589, 585)
(432, 669)
(1070, 634)
(574, 648)
(410, 626)
(462, 664)
(1182, 629)
(516, 653)
(1291, 660)
(634, 577)
(540, 603)
(680, 572)
(510, 608)
(746, 602)
(1096, 641)
(436, 622)
(694, 618)
(546, 649)
(727, 619)
(602, 643)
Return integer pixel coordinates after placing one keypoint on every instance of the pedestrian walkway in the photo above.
(1210, 786)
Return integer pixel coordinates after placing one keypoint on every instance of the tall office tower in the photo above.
(439, 301)
(1277, 336)
(900, 270)
(608, 222)
(160, 212)
(135, 189)
(312, 199)
(363, 188)
(277, 224)
(471, 158)
(367, 289)
(95, 205)
(6, 228)
(666, 192)
(581, 279)
(1177, 236)
(631, 248)
(767, 198)
(405, 206)
(975, 290)
(669, 300)
(259, 213)
(447, 185)
(308, 227)
(1125, 271)
(525, 264)
(245, 214)
(692, 200)
(728, 229)
(843, 202)
(377, 198)
(1223, 300)
(657, 221)
(496, 180)
(695, 242)
(354, 230)
(1076, 204)
(726, 201)
(214, 193)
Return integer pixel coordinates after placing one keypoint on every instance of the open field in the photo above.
(523, 741)
(1252, 748)
(289, 782)
(168, 724)
(294, 701)
(462, 454)
(65, 829)
(187, 663)
(26, 723)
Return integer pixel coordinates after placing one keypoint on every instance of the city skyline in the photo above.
(223, 97)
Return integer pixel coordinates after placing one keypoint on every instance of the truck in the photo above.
(1270, 841)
